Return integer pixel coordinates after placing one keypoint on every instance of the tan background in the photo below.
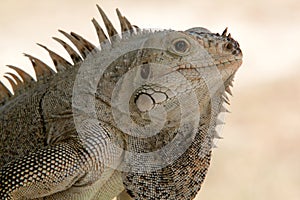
(260, 155)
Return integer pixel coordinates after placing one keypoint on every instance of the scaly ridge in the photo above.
(43, 71)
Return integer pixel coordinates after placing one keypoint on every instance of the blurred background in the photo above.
(259, 157)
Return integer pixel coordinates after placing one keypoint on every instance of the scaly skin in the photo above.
(54, 147)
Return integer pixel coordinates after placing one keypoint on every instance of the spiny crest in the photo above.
(84, 47)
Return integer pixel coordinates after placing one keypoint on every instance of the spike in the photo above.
(226, 96)
(138, 30)
(59, 62)
(12, 83)
(225, 32)
(228, 90)
(110, 28)
(128, 23)
(16, 83)
(25, 77)
(135, 26)
(16, 78)
(81, 48)
(123, 23)
(224, 109)
(89, 46)
(226, 100)
(73, 54)
(101, 35)
(41, 69)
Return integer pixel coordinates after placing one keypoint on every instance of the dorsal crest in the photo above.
(84, 47)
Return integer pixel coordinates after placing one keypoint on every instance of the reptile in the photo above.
(134, 118)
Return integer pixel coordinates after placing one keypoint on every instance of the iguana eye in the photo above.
(181, 46)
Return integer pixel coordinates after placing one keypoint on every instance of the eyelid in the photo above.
(174, 51)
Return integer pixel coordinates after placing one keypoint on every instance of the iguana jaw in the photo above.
(226, 69)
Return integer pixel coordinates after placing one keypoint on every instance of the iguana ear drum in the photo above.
(149, 98)
(144, 102)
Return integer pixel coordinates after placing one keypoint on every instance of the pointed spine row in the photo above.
(84, 47)
(224, 34)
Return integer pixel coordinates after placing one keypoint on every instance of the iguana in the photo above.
(135, 117)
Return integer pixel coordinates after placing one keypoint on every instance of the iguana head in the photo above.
(166, 64)
(197, 54)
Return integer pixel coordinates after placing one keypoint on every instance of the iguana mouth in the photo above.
(217, 64)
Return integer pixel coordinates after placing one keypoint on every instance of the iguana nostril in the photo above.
(229, 46)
